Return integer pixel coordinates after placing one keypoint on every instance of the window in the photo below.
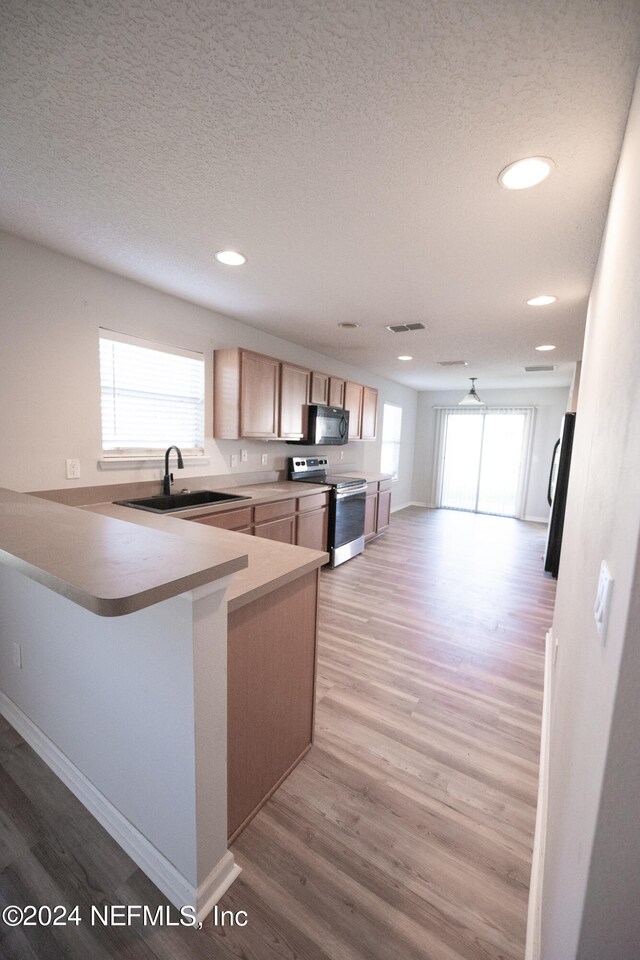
(484, 459)
(152, 396)
(391, 430)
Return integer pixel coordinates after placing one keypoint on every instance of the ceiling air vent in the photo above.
(541, 368)
(404, 327)
(452, 363)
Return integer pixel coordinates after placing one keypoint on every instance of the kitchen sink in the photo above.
(180, 501)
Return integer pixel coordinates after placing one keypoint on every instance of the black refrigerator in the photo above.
(557, 492)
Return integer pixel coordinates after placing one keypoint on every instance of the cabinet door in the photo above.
(336, 392)
(270, 683)
(312, 529)
(384, 510)
(319, 389)
(259, 379)
(353, 403)
(369, 413)
(294, 391)
(281, 530)
(371, 512)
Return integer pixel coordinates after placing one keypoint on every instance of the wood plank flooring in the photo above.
(407, 830)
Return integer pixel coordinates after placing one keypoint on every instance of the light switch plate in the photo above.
(265, 459)
(603, 600)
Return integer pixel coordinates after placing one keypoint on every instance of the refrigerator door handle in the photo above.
(553, 460)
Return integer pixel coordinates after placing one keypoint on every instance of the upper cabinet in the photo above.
(319, 389)
(353, 403)
(362, 404)
(369, 413)
(294, 391)
(267, 399)
(336, 392)
(246, 395)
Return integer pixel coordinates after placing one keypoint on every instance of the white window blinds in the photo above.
(151, 396)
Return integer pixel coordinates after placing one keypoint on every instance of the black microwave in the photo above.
(326, 425)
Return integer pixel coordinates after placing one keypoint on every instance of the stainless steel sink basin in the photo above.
(180, 501)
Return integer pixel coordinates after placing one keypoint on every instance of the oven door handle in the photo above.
(351, 492)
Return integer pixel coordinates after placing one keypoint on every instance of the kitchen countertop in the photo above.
(104, 563)
(270, 564)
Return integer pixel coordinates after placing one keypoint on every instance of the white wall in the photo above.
(591, 879)
(51, 308)
(550, 403)
(131, 712)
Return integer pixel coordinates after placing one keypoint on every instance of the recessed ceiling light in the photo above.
(348, 325)
(546, 346)
(405, 358)
(542, 301)
(525, 173)
(231, 258)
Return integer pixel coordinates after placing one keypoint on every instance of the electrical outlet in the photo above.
(342, 454)
(265, 459)
(17, 655)
(244, 456)
(234, 460)
(73, 469)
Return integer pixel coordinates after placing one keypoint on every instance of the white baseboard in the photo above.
(536, 519)
(534, 917)
(411, 503)
(178, 890)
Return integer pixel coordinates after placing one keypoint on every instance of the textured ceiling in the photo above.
(350, 149)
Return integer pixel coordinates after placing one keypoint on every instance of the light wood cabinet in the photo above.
(240, 521)
(246, 395)
(270, 702)
(384, 505)
(312, 526)
(371, 511)
(263, 398)
(275, 521)
(303, 521)
(294, 393)
(369, 413)
(319, 389)
(336, 392)
(353, 403)
(377, 509)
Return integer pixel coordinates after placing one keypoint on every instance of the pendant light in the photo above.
(471, 399)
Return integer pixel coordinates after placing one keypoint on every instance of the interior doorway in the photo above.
(484, 456)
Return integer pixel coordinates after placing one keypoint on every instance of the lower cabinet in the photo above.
(303, 521)
(275, 521)
(377, 508)
(313, 521)
(384, 506)
(370, 511)
(271, 677)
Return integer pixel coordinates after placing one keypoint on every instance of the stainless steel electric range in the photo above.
(346, 505)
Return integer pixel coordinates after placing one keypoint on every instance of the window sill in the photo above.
(128, 463)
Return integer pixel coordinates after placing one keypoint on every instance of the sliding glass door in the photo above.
(483, 460)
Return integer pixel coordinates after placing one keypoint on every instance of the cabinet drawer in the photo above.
(372, 488)
(271, 511)
(313, 502)
(233, 520)
(282, 530)
(385, 485)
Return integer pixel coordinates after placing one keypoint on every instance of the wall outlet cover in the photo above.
(265, 459)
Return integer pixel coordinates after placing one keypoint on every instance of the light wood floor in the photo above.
(406, 833)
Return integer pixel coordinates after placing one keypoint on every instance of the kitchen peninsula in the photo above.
(113, 666)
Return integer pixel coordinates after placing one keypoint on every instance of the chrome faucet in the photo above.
(168, 477)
